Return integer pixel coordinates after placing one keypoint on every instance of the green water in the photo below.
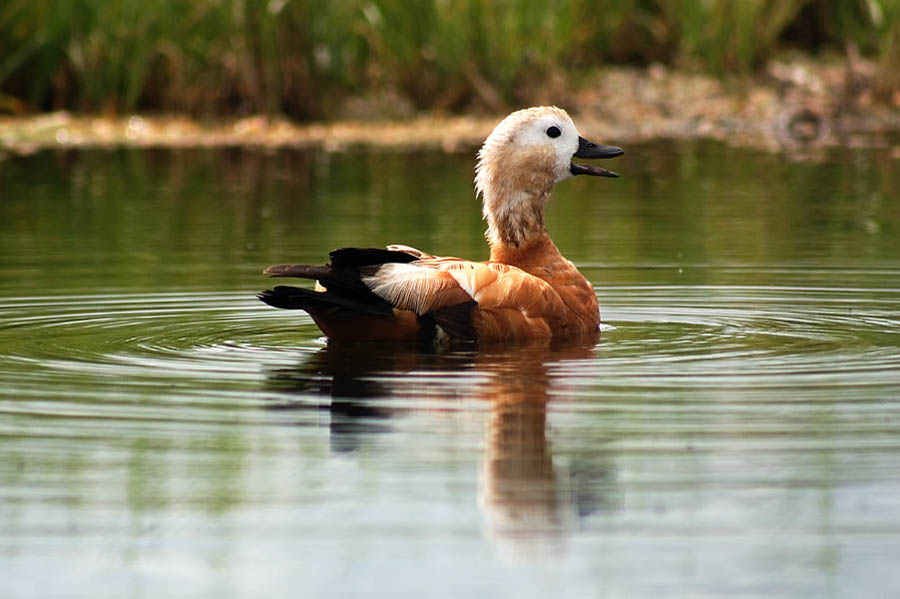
(734, 433)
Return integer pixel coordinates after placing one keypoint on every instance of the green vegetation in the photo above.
(301, 57)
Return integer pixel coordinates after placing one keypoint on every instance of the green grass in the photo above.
(301, 57)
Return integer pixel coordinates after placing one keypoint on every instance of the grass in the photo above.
(302, 57)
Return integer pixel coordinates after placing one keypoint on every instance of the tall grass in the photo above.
(301, 57)
(724, 36)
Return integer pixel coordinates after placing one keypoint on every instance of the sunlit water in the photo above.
(734, 431)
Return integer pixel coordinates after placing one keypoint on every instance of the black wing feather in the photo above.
(357, 257)
(456, 320)
(297, 298)
(341, 279)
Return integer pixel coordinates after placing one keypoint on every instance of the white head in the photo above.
(521, 160)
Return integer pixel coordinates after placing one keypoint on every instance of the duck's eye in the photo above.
(553, 132)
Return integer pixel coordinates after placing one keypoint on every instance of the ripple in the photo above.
(217, 346)
(761, 335)
(142, 358)
(173, 325)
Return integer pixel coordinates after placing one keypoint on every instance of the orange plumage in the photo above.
(527, 290)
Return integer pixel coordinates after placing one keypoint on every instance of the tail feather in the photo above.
(343, 273)
(337, 280)
(347, 309)
(315, 302)
(299, 271)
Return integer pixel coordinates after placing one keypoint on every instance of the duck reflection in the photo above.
(529, 501)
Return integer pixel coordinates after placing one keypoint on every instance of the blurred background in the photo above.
(323, 59)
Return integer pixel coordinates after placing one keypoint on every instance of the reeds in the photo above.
(301, 57)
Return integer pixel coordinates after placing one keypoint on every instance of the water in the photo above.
(734, 432)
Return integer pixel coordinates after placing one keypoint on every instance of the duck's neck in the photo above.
(515, 217)
(536, 250)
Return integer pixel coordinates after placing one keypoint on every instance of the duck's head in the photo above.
(521, 160)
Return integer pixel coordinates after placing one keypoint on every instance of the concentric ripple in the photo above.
(205, 334)
(214, 345)
(187, 358)
(773, 337)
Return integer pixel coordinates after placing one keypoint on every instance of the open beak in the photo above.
(588, 149)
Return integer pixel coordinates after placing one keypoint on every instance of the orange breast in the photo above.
(580, 314)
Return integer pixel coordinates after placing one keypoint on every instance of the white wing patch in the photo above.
(408, 286)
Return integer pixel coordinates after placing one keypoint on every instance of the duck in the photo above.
(525, 291)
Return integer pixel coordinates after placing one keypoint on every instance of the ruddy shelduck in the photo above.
(527, 290)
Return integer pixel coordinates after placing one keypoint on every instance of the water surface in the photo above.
(733, 432)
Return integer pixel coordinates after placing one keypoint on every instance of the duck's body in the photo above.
(527, 290)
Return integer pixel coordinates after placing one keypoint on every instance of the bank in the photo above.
(793, 105)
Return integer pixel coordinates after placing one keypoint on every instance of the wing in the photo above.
(503, 301)
(468, 300)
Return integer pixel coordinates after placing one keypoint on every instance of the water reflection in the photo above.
(529, 503)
